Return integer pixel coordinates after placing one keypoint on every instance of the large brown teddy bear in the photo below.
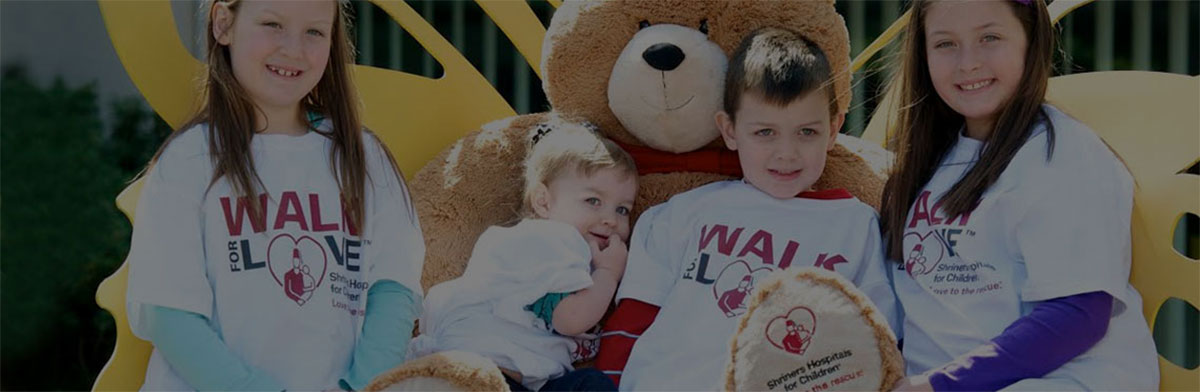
(649, 75)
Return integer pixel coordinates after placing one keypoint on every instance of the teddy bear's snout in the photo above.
(663, 56)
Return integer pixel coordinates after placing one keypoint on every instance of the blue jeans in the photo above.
(585, 379)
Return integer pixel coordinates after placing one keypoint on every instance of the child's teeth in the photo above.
(282, 72)
(977, 85)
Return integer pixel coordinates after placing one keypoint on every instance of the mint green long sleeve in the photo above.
(198, 355)
(387, 328)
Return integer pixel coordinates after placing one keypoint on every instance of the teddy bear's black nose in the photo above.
(663, 57)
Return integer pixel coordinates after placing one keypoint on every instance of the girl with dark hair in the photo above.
(1008, 220)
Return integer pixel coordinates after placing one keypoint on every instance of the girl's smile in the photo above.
(285, 72)
(975, 85)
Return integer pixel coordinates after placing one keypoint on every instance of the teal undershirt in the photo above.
(197, 353)
(543, 308)
(387, 328)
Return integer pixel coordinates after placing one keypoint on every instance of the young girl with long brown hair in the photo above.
(275, 245)
(1009, 220)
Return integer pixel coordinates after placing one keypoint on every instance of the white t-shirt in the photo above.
(698, 255)
(1044, 230)
(483, 311)
(285, 290)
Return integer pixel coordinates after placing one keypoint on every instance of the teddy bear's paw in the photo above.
(807, 328)
(444, 371)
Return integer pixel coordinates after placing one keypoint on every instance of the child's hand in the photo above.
(612, 258)
(582, 309)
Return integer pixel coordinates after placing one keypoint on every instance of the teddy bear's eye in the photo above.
(643, 24)
(704, 26)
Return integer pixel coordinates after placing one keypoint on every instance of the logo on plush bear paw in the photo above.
(298, 265)
(794, 331)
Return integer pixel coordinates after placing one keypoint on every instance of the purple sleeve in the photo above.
(1055, 332)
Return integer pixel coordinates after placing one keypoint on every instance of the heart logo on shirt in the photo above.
(924, 254)
(793, 331)
(733, 286)
(298, 265)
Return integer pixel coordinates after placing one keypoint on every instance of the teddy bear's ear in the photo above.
(562, 23)
(579, 51)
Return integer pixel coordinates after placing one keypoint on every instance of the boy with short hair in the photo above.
(694, 260)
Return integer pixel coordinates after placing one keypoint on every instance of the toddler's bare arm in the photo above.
(583, 309)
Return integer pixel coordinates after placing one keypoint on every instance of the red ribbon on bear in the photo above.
(707, 160)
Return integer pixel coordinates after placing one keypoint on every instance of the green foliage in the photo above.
(60, 231)
(135, 137)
